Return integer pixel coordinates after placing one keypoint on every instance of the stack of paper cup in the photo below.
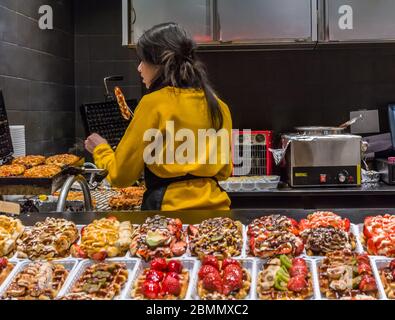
(18, 140)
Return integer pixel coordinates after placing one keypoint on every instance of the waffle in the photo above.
(159, 237)
(75, 196)
(11, 170)
(378, 235)
(62, 160)
(107, 237)
(137, 292)
(42, 171)
(39, 280)
(123, 203)
(10, 230)
(238, 295)
(267, 291)
(77, 296)
(123, 106)
(319, 241)
(337, 273)
(46, 240)
(5, 269)
(222, 237)
(102, 281)
(388, 281)
(29, 161)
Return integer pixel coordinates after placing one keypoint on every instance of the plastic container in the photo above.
(247, 263)
(313, 271)
(375, 274)
(69, 264)
(131, 265)
(189, 263)
(378, 264)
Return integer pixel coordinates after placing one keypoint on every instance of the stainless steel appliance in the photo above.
(323, 160)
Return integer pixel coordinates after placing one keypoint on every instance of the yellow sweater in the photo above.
(187, 108)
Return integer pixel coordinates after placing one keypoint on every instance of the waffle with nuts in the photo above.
(387, 276)
(223, 280)
(283, 278)
(42, 171)
(324, 232)
(38, 280)
(103, 238)
(10, 230)
(62, 160)
(11, 170)
(50, 239)
(159, 236)
(29, 161)
(102, 281)
(162, 280)
(219, 236)
(271, 235)
(346, 274)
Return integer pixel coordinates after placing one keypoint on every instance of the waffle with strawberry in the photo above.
(346, 274)
(5, 269)
(167, 280)
(387, 276)
(271, 235)
(324, 232)
(379, 235)
(223, 280)
(159, 236)
(283, 278)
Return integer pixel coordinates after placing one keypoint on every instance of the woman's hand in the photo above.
(93, 141)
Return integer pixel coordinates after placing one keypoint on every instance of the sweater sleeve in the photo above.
(126, 164)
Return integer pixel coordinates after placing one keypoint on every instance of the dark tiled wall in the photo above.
(99, 53)
(37, 73)
(282, 89)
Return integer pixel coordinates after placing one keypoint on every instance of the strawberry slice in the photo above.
(229, 261)
(297, 284)
(159, 264)
(174, 266)
(151, 289)
(211, 260)
(206, 269)
(171, 286)
(154, 275)
(213, 282)
(99, 256)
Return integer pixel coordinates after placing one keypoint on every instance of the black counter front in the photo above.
(191, 217)
(367, 196)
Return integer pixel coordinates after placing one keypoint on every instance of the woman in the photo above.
(179, 93)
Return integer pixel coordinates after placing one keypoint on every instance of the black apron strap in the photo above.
(156, 188)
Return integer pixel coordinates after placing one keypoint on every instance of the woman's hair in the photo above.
(168, 46)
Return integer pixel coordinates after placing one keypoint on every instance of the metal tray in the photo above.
(189, 263)
(131, 265)
(20, 185)
(247, 263)
(69, 264)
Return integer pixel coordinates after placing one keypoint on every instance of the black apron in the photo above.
(156, 188)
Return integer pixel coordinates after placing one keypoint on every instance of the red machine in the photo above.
(252, 146)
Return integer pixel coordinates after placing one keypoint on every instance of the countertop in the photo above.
(356, 215)
(366, 189)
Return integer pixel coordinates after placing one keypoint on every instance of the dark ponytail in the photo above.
(167, 45)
